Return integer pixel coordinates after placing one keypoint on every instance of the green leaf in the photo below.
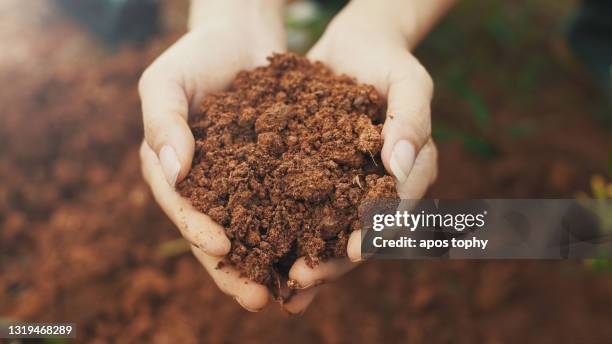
(442, 133)
(610, 162)
(499, 29)
(520, 130)
(471, 143)
(480, 113)
(600, 265)
(173, 248)
(55, 340)
(478, 146)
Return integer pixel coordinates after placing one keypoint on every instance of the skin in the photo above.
(369, 40)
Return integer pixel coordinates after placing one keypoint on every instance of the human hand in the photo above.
(368, 43)
(226, 36)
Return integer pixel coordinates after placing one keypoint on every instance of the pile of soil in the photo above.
(283, 159)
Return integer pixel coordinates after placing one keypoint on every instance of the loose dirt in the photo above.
(283, 160)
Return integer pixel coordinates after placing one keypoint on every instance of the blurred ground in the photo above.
(80, 234)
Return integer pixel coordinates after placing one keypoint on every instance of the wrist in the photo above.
(223, 13)
(392, 18)
(410, 20)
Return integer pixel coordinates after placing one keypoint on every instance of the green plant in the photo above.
(601, 192)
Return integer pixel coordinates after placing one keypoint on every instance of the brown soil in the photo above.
(283, 159)
(80, 234)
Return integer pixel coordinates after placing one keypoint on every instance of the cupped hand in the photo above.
(375, 53)
(223, 41)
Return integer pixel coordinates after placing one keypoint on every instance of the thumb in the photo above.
(165, 108)
(408, 125)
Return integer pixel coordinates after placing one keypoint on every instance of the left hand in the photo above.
(376, 53)
(225, 38)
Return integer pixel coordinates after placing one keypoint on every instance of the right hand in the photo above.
(226, 37)
(362, 43)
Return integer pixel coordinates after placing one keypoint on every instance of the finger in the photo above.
(250, 295)
(301, 300)
(302, 276)
(423, 173)
(408, 124)
(353, 248)
(196, 227)
(164, 109)
(316, 53)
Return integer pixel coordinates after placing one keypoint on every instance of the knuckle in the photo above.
(146, 79)
(425, 126)
(152, 133)
(145, 169)
(152, 76)
(433, 153)
(421, 73)
(433, 148)
(421, 129)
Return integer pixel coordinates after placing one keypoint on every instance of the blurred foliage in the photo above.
(601, 190)
(599, 265)
(172, 248)
(55, 341)
(499, 38)
(306, 21)
(610, 162)
(479, 111)
(521, 129)
(471, 143)
(511, 54)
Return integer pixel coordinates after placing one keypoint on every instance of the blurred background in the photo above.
(518, 112)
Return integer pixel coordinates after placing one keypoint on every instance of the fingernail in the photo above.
(293, 284)
(295, 315)
(170, 164)
(356, 259)
(402, 159)
(245, 307)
